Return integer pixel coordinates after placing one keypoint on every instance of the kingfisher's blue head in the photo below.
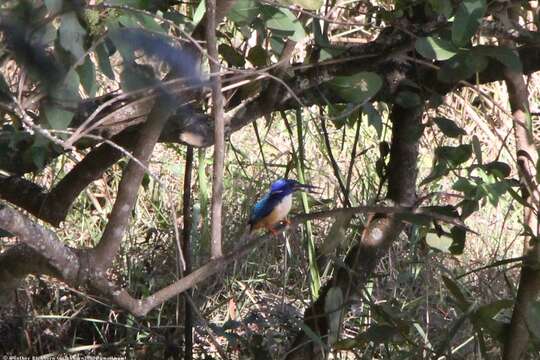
(287, 186)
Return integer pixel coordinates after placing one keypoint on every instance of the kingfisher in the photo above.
(274, 206)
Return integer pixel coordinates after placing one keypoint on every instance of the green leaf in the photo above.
(408, 99)
(442, 7)
(128, 20)
(44, 35)
(135, 77)
(491, 317)
(87, 75)
(456, 292)
(434, 48)
(439, 169)
(299, 32)
(72, 35)
(467, 20)
(374, 118)
(125, 49)
(435, 100)
(330, 53)
(468, 207)
(458, 235)
(477, 148)
(58, 119)
(357, 88)
(148, 22)
(516, 196)
(465, 186)
(67, 90)
(461, 67)
(315, 337)
(277, 44)
(231, 55)
(104, 63)
(178, 18)
(283, 23)
(343, 114)
(199, 12)
(494, 191)
(39, 155)
(448, 127)
(306, 4)
(258, 56)
(504, 55)
(54, 6)
(244, 11)
(498, 169)
(455, 155)
(320, 39)
(281, 20)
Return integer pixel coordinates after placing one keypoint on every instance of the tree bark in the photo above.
(378, 236)
(517, 340)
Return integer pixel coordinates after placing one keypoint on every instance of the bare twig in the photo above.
(186, 249)
(219, 131)
(334, 163)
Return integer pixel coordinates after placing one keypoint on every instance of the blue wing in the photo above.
(263, 208)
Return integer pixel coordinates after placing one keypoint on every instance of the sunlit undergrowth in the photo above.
(258, 303)
(441, 291)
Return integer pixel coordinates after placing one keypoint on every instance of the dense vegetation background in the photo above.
(136, 135)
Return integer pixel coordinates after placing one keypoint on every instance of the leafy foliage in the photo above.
(355, 65)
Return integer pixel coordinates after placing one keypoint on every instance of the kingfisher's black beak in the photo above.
(306, 187)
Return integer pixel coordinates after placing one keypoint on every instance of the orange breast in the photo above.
(278, 213)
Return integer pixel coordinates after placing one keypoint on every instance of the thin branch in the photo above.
(334, 163)
(186, 250)
(219, 131)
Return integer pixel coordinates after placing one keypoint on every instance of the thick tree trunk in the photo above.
(380, 233)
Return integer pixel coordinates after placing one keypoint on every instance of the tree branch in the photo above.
(187, 252)
(527, 157)
(219, 130)
(18, 261)
(61, 258)
(111, 238)
(74, 266)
